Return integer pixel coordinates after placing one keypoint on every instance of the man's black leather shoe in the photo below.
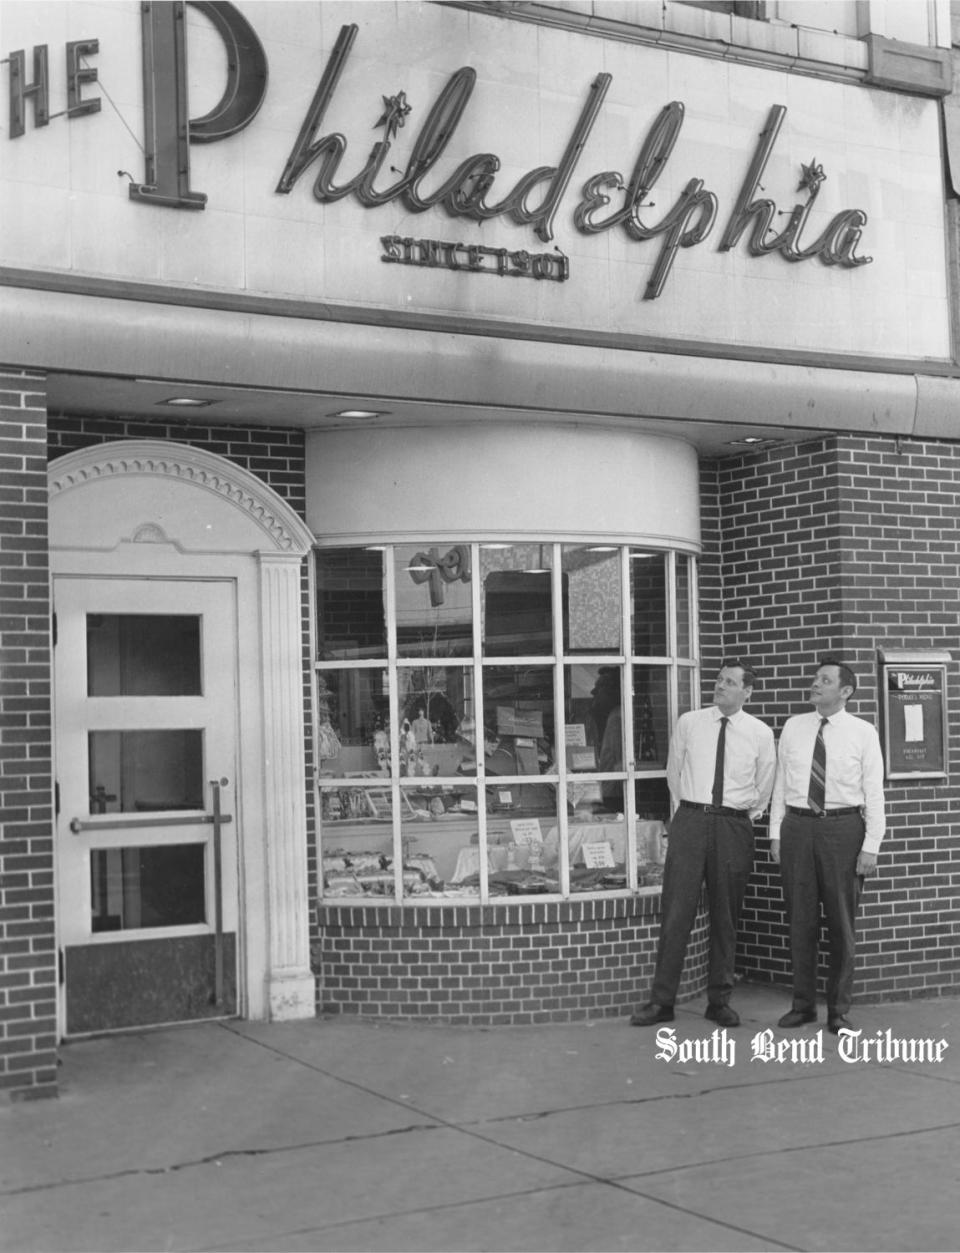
(723, 1015)
(650, 1013)
(837, 1023)
(798, 1018)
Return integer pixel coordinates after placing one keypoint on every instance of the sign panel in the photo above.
(431, 159)
(914, 720)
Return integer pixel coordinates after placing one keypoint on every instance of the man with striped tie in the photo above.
(826, 824)
(720, 771)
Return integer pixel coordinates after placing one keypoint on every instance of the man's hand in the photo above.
(775, 852)
(866, 863)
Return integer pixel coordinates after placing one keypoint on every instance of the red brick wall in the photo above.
(848, 545)
(497, 964)
(28, 965)
(275, 455)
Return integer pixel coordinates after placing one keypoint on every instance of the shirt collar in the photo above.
(717, 715)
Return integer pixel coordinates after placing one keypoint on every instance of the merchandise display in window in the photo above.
(481, 734)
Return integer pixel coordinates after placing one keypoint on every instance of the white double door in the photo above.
(147, 813)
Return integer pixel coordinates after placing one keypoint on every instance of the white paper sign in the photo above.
(912, 723)
(526, 831)
(596, 855)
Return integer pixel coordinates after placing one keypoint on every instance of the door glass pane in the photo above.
(592, 587)
(351, 615)
(158, 886)
(143, 654)
(434, 605)
(136, 771)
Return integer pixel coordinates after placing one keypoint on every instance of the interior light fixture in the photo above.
(602, 548)
(186, 402)
(358, 413)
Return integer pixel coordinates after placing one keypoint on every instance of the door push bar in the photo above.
(81, 824)
(216, 820)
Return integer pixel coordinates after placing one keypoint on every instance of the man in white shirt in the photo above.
(826, 824)
(720, 770)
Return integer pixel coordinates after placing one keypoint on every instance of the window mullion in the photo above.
(393, 706)
(626, 648)
(476, 601)
(559, 719)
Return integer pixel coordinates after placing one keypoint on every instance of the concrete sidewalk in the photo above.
(342, 1135)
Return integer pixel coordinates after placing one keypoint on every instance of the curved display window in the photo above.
(493, 719)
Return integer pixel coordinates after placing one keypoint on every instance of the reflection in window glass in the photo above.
(440, 839)
(354, 726)
(593, 717)
(685, 602)
(437, 726)
(597, 839)
(434, 600)
(652, 798)
(686, 690)
(357, 822)
(351, 615)
(150, 886)
(143, 654)
(648, 604)
(592, 589)
(520, 817)
(651, 717)
(517, 599)
(138, 771)
(518, 720)
(406, 813)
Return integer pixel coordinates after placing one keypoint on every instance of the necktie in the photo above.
(816, 794)
(716, 798)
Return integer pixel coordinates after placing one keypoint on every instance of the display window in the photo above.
(482, 733)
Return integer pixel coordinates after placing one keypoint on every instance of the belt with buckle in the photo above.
(829, 813)
(726, 810)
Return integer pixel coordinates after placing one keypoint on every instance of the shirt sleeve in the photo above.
(766, 768)
(678, 742)
(873, 800)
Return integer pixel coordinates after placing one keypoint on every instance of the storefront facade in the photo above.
(406, 407)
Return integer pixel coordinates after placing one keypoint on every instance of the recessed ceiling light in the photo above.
(750, 439)
(187, 402)
(359, 413)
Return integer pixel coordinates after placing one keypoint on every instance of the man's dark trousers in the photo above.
(818, 862)
(716, 849)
